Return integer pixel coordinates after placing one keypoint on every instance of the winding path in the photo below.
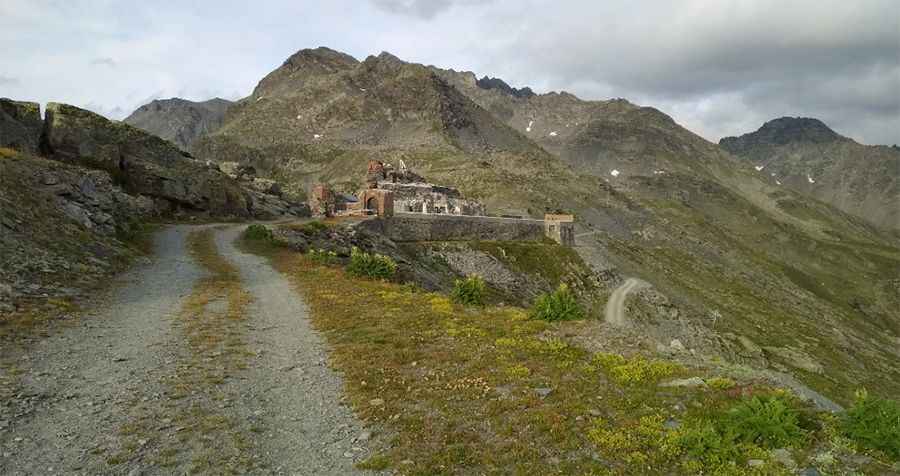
(94, 397)
(615, 307)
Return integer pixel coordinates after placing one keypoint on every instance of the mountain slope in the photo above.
(179, 120)
(321, 117)
(807, 156)
(783, 274)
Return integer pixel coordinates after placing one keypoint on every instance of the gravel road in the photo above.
(94, 397)
(615, 307)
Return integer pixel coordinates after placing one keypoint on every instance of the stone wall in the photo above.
(418, 227)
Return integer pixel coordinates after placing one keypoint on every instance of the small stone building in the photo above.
(413, 194)
(560, 228)
(321, 201)
(376, 201)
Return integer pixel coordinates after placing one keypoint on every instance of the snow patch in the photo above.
(317, 136)
(299, 116)
(362, 89)
(772, 174)
(659, 172)
(614, 173)
(259, 98)
(777, 183)
(759, 167)
(528, 129)
(810, 179)
(554, 134)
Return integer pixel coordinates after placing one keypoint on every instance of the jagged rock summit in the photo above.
(806, 155)
(782, 131)
(178, 120)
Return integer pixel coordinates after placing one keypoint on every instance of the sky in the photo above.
(718, 67)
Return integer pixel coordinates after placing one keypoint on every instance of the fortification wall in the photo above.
(420, 227)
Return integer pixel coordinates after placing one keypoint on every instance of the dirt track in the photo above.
(97, 396)
(615, 307)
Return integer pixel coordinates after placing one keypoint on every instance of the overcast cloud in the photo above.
(719, 67)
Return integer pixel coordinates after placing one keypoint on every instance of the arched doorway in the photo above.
(372, 205)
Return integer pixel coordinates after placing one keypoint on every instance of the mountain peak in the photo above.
(321, 55)
(497, 83)
(782, 131)
(798, 129)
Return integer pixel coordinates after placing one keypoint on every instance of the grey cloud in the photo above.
(718, 67)
(103, 62)
(421, 8)
(8, 81)
(835, 60)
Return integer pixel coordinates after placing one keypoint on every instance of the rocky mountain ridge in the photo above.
(178, 120)
(75, 186)
(807, 156)
(653, 200)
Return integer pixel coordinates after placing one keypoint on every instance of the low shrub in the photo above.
(874, 423)
(7, 152)
(709, 450)
(258, 232)
(636, 370)
(314, 227)
(559, 305)
(768, 421)
(371, 265)
(641, 443)
(720, 383)
(321, 256)
(469, 291)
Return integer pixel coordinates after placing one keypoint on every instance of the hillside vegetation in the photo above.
(751, 271)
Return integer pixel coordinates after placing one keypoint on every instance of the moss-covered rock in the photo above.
(20, 125)
(142, 163)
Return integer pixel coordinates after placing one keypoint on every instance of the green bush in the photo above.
(559, 305)
(874, 423)
(322, 256)
(704, 443)
(770, 422)
(636, 370)
(314, 227)
(469, 291)
(746, 431)
(371, 265)
(258, 233)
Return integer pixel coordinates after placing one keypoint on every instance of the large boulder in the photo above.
(142, 163)
(20, 125)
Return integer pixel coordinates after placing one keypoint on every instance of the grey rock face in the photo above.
(20, 125)
(783, 130)
(178, 120)
(142, 163)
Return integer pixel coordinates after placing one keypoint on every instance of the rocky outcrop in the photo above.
(178, 120)
(20, 125)
(497, 83)
(61, 227)
(142, 163)
(781, 131)
(805, 155)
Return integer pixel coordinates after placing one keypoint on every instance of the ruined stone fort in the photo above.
(406, 207)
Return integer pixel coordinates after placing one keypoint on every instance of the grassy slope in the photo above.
(457, 390)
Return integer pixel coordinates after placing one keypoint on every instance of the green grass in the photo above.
(558, 305)
(469, 291)
(371, 265)
(258, 232)
(874, 424)
(454, 389)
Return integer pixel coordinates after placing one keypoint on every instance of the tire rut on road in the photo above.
(126, 390)
(75, 385)
(297, 396)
